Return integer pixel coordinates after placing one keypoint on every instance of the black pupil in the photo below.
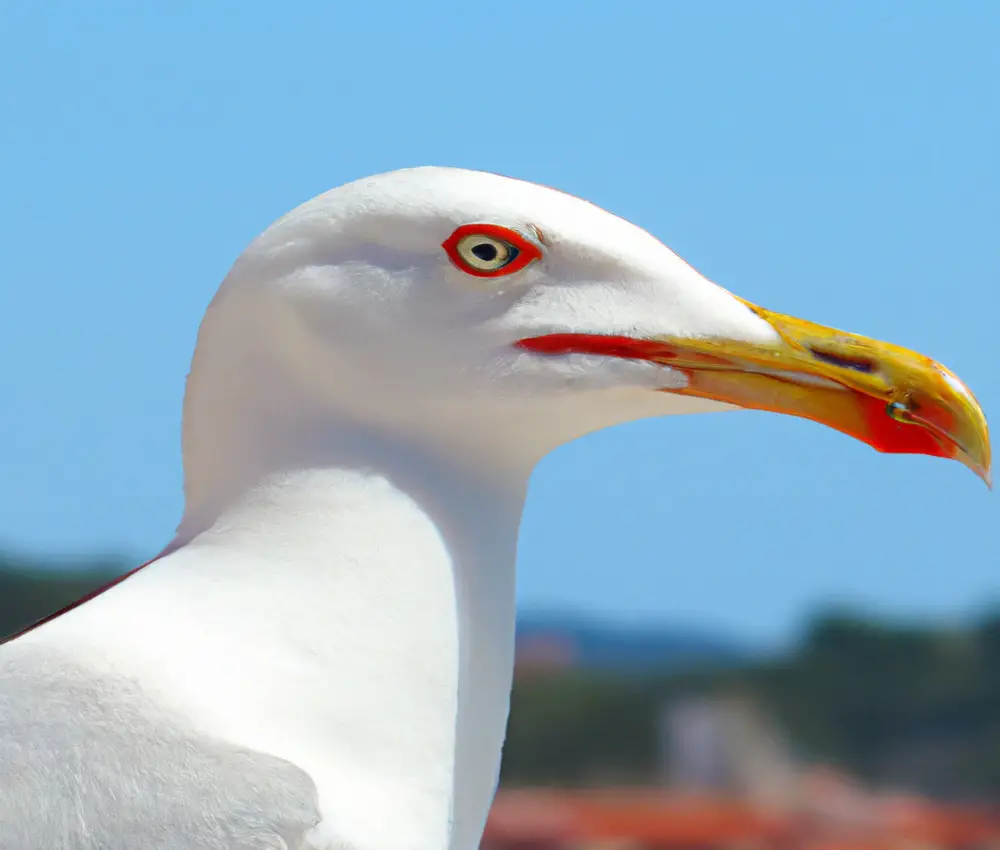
(486, 251)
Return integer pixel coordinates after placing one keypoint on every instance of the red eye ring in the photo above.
(500, 250)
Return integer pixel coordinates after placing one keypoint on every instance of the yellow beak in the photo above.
(889, 397)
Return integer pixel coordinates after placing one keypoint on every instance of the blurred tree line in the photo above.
(30, 590)
(918, 707)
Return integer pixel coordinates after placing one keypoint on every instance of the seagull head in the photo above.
(501, 317)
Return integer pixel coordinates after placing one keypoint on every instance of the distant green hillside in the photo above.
(903, 707)
(30, 590)
(646, 649)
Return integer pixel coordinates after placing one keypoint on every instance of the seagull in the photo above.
(322, 655)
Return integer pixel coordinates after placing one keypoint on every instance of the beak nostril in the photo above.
(900, 412)
(857, 364)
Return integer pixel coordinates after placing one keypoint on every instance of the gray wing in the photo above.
(89, 763)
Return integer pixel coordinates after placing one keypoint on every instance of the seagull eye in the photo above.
(489, 250)
(485, 253)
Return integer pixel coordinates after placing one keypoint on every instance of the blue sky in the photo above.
(836, 161)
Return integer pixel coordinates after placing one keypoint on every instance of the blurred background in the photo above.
(738, 630)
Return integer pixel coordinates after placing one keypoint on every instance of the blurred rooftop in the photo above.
(829, 813)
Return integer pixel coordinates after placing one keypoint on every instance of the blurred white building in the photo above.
(726, 745)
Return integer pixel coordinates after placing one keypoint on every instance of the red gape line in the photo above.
(606, 346)
(93, 594)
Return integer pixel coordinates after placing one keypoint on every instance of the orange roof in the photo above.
(649, 817)
(656, 818)
(937, 824)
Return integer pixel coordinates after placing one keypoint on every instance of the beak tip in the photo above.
(983, 472)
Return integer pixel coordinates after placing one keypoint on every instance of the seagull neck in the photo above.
(391, 564)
